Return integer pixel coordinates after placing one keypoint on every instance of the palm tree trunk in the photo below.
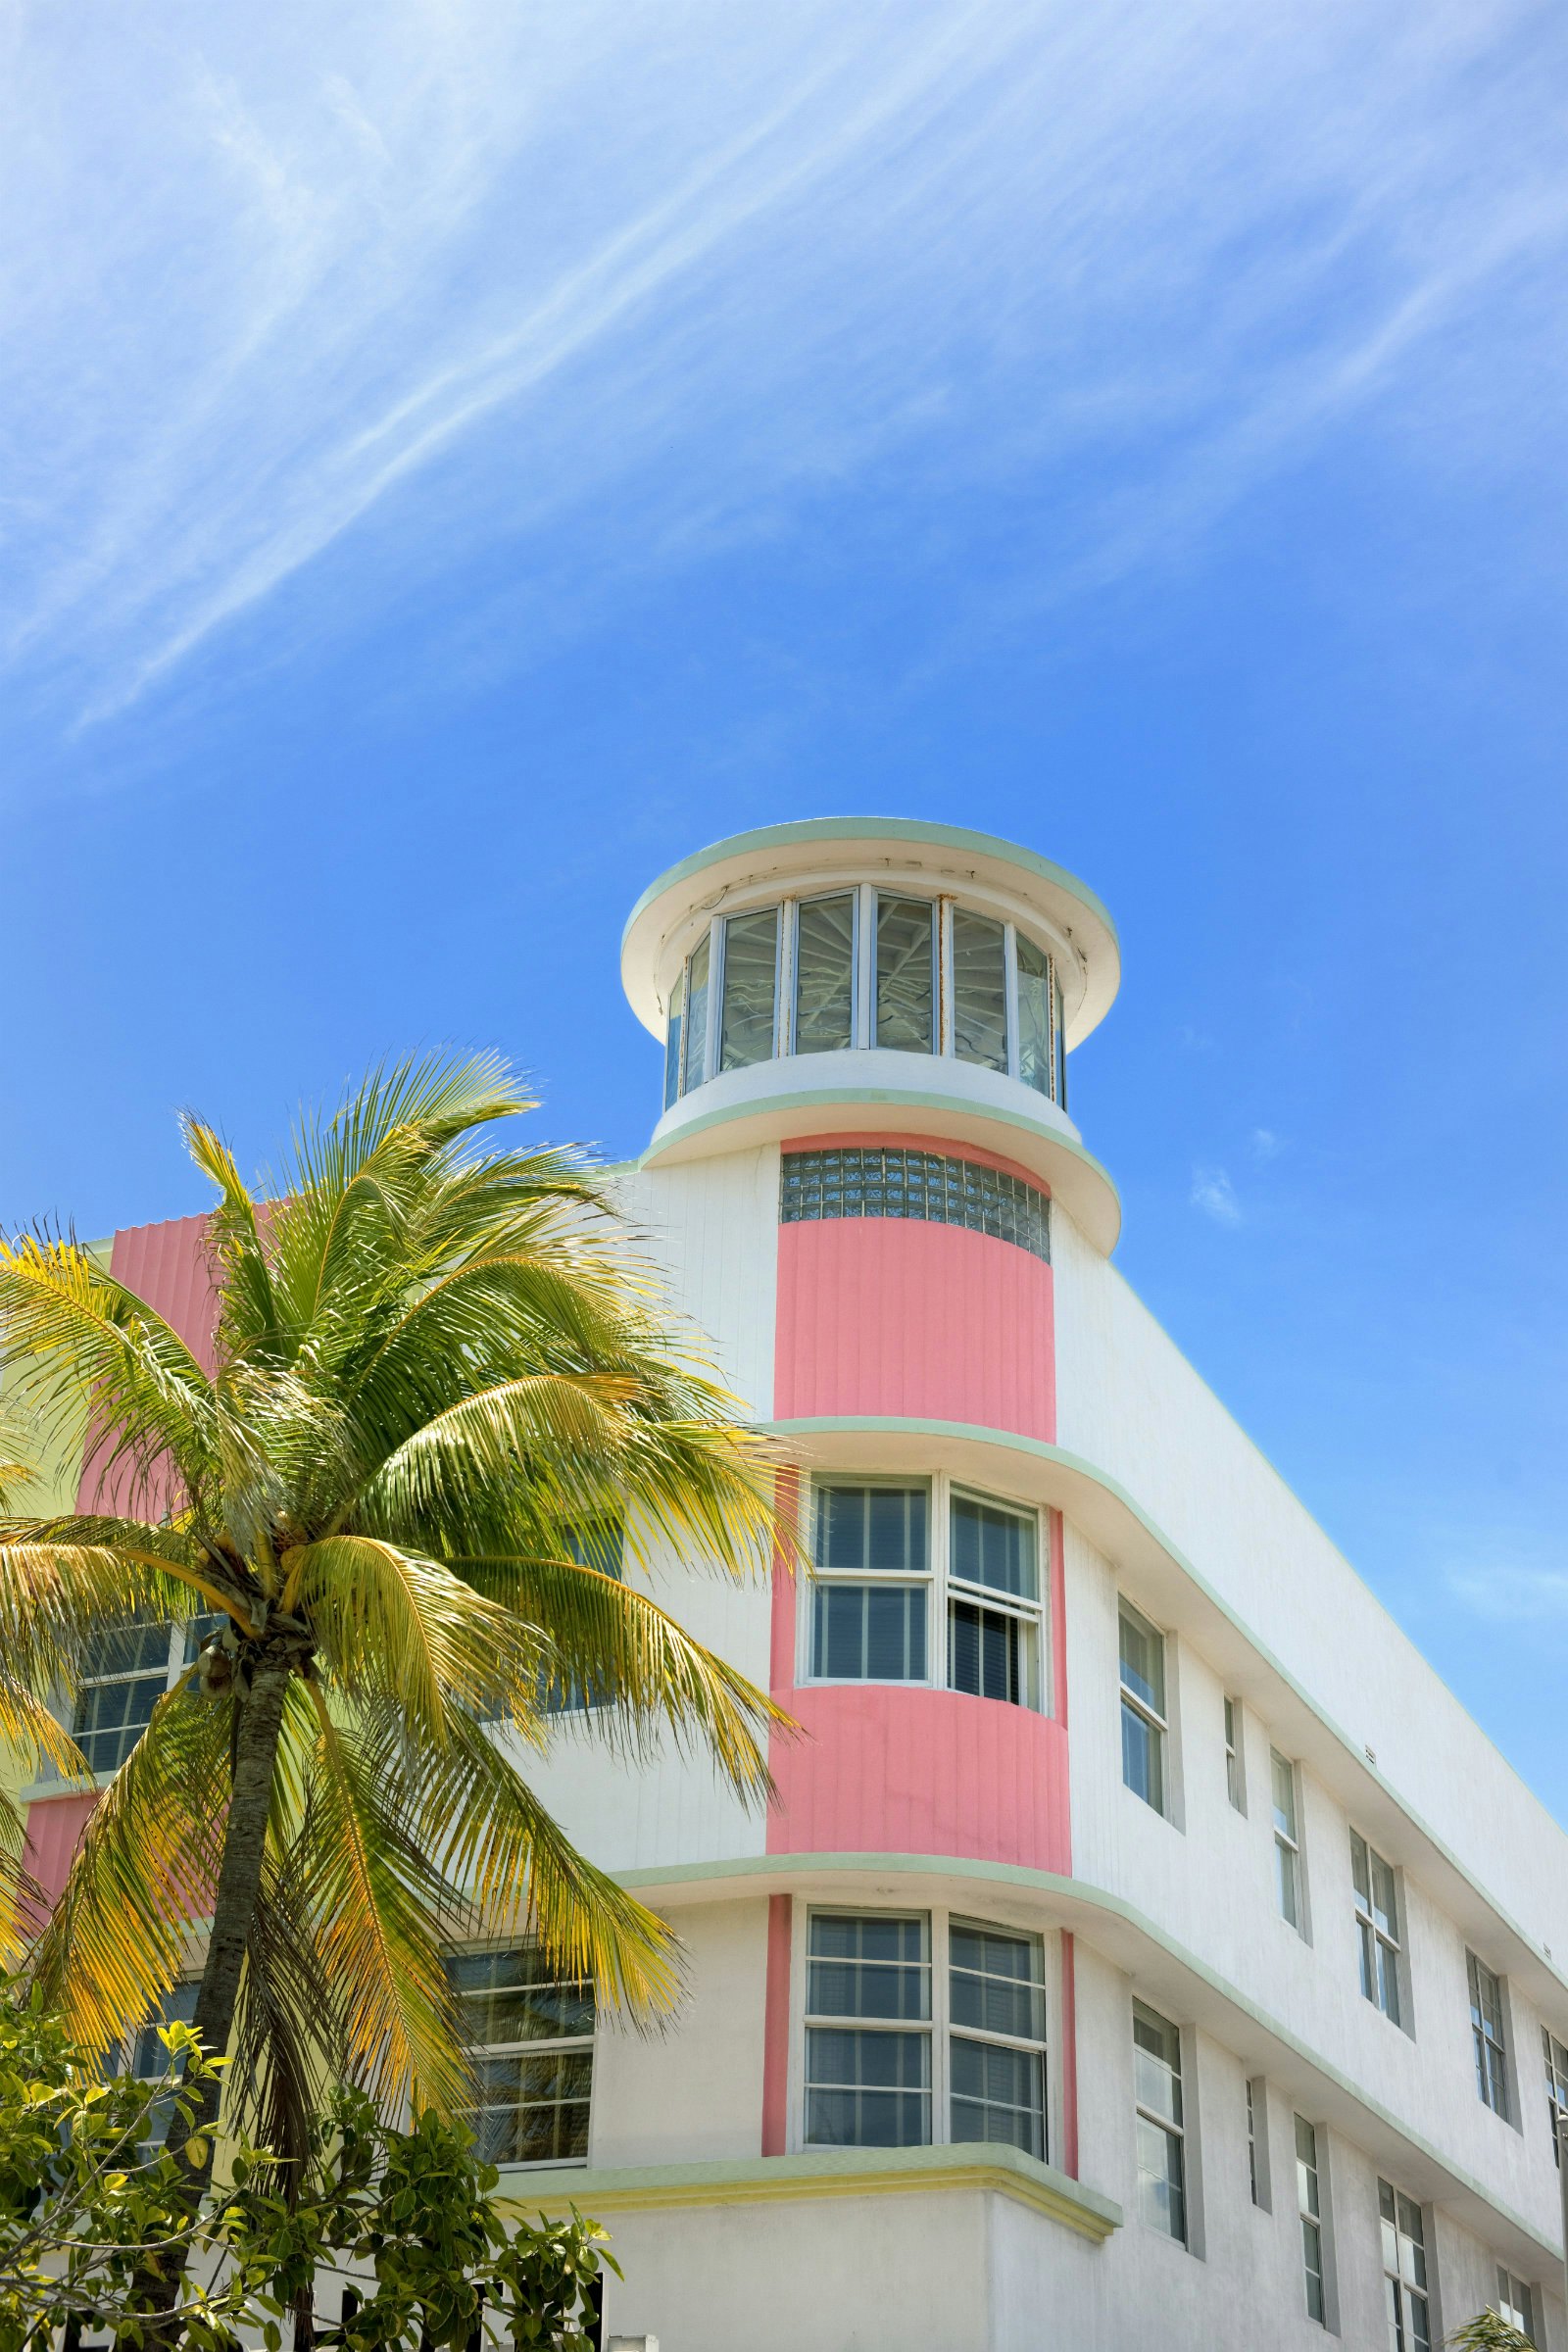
(239, 1878)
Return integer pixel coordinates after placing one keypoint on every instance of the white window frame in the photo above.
(1555, 2055)
(1235, 1756)
(1311, 2208)
(543, 2046)
(184, 1638)
(862, 967)
(1395, 2275)
(937, 1922)
(1493, 2082)
(1290, 1872)
(1173, 2129)
(1157, 1723)
(1258, 2180)
(1373, 1940)
(1519, 2303)
(943, 1586)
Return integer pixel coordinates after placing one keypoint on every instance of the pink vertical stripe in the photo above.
(168, 1267)
(1069, 2056)
(777, 2028)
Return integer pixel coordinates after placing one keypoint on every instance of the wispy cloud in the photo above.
(456, 275)
(1264, 1144)
(1215, 1194)
(1512, 1596)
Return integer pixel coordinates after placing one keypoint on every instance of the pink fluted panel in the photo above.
(54, 1832)
(892, 1769)
(886, 1315)
(165, 1265)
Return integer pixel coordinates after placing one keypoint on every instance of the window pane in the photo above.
(534, 2110)
(871, 1966)
(1143, 1661)
(994, 1984)
(1387, 1993)
(824, 975)
(1383, 1897)
(994, 1546)
(1156, 2064)
(148, 2057)
(906, 974)
(1034, 1016)
(1360, 1872)
(750, 965)
(672, 1037)
(868, 1633)
(111, 1717)
(696, 1015)
(1289, 1892)
(979, 991)
(867, 2091)
(1284, 1780)
(1143, 1757)
(1161, 2198)
(985, 1652)
(875, 1529)
(999, 2094)
(517, 1996)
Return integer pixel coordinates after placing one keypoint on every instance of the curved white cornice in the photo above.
(870, 1090)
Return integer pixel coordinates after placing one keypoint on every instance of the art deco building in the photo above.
(1145, 1947)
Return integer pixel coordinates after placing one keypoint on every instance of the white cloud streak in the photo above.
(1215, 1194)
(428, 276)
(1512, 1596)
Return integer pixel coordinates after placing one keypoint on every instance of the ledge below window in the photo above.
(819, 2173)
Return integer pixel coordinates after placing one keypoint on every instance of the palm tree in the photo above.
(441, 1377)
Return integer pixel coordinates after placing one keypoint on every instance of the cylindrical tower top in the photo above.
(875, 973)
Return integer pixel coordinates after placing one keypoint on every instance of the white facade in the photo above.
(731, 2227)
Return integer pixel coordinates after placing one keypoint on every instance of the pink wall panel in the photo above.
(891, 1769)
(166, 1266)
(888, 1315)
(54, 1832)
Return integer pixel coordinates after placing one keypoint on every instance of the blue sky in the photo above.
(457, 459)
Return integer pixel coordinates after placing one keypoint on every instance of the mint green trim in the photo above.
(1037, 1448)
(817, 2174)
(875, 828)
(1049, 1883)
(833, 1098)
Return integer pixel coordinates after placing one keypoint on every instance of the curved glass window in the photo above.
(751, 976)
(824, 974)
(865, 967)
(907, 974)
(922, 1185)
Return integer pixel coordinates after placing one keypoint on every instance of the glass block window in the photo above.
(530, 2036)
(920, 1185)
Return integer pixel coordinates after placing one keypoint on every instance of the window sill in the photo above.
(821, 2173)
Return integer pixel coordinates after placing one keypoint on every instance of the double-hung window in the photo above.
(924, 1582)
(1309, 2206)
(1516, 2303)
(1487, 2035)
(1144, 1724)
(1556, 2057)
(993, 1600)
(1377, 1925)
(1160, 2122)
(125, 1674)
(529, 2032)
(1406, 2291)
(900, 2051)
(1234, 1787)
(1287, 1838)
